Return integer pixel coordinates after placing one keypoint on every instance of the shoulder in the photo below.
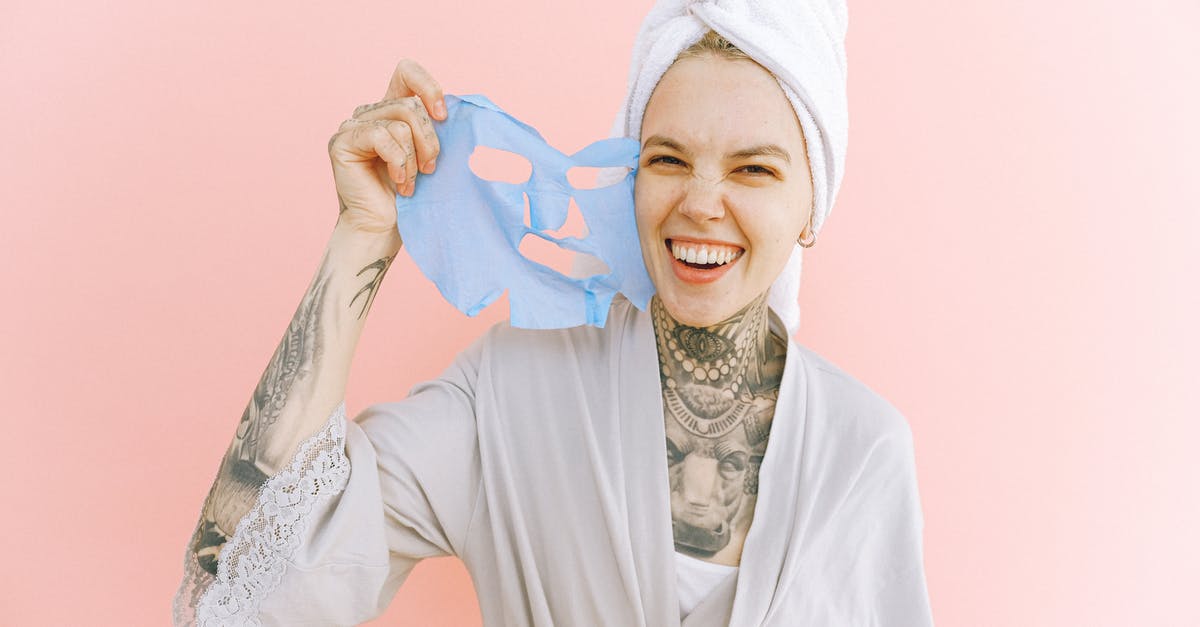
(857, 435)
(846, 402)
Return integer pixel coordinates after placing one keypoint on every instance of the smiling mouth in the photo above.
(703, 256)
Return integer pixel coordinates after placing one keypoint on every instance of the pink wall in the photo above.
(1012, 262)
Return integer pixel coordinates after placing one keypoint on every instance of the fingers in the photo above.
(397, 130)
(389, 140)
(412, 112)
(402, 137)
(410, 79)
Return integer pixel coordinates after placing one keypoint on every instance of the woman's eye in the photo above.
(665, 159)
(756, 169)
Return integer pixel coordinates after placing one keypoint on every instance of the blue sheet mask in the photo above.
(464, 232)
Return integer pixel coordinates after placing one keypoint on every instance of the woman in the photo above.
(550, 462)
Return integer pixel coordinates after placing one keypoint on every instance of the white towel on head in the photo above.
(801, 42)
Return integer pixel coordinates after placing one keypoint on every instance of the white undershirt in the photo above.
(696, 579)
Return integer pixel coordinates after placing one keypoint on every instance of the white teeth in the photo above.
(705, 254)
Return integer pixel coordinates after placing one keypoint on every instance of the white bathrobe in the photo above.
(539, 459)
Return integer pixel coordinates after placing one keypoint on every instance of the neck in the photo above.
(726, 357)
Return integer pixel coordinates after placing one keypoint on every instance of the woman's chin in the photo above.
(697, 312)
(702, 304)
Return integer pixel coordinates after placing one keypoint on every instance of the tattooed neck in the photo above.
(720, 384)
(726, 358)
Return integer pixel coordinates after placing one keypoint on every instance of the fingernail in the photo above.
(441, 108)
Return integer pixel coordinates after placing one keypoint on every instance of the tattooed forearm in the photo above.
(288, 384)
(297, 356)
(380, 266)
(243, 469)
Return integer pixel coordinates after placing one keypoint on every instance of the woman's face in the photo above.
(723, 177)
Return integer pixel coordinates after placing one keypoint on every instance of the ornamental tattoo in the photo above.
(720, 385)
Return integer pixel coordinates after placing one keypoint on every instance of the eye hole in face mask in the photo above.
(502, 166)
(588, 177)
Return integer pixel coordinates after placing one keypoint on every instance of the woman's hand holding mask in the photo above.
(377, 153)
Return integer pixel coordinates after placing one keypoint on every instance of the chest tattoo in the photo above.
(719, 385)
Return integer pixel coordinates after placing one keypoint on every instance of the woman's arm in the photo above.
(303, 383)
(375, 155)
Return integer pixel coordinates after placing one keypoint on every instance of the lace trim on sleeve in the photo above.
(252, 563)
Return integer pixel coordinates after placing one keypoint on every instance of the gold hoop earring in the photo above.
(800, 240)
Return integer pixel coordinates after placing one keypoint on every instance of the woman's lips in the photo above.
(689, 274)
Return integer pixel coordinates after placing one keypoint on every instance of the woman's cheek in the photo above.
(649, 203)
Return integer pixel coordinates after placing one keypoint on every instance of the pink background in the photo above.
(1012, 262)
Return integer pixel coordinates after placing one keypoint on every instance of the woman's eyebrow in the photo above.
(665, 142)
(761, 150)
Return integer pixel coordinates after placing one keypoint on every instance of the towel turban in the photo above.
(802, 43)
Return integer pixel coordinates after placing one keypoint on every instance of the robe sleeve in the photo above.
(890, 484)
(334, 534)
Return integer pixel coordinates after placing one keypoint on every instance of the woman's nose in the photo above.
(702, 200)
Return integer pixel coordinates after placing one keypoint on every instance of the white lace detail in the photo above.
(252, 564)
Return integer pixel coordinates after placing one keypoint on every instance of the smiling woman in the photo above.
(719, 178)
(688, 464)
(720, 204)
